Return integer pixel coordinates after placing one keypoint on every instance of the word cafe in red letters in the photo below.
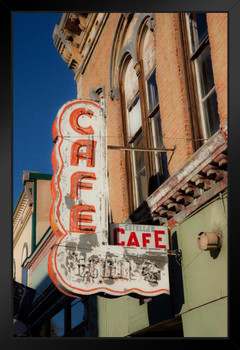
(144, 236)
(90, 255)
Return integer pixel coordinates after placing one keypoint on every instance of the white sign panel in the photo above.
(82, 262)
(144, 236)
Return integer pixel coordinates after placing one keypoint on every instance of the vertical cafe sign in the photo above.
(82, 262)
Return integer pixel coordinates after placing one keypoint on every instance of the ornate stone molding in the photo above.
(75, 37)
(120, 50)
(137, 68)
(66, 39)
(151, 23)
(201, 178)
(94, 93)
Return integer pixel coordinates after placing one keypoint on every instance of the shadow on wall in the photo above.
(91, 316)
(142, 215)
(165, 306)
(42, 286)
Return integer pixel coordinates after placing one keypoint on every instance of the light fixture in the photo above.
(208, 241)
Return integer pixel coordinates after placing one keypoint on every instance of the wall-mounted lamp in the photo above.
(208, 241)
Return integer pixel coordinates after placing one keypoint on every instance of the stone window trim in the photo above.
(193, 51)
(128, 49)
(150, 167)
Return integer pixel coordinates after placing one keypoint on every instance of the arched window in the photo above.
(147, 57)
(200, 63)
(141, 113)
(24, 269)
(134, 132)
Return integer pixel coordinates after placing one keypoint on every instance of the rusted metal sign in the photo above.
(82, 262)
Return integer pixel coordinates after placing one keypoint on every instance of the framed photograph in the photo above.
(119, 148)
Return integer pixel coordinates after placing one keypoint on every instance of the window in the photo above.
(24, 269)
(77, 313)
(57, 324)
(147, 170)
(63, 322)
(24, 276)
(134, 135)
(134, 117)
(136, 141)
(155, 118)
(40, 331)
(201, 58)
(139, 169)
(152, 91)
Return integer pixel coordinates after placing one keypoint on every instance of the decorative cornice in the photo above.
(21, 206)
(75, 38)
(25, 205)
(90, 38)
(21, 213)
(21, 224)
(201, 178)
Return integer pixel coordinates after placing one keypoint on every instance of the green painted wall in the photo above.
(207, 321)
(121, 316)
(40, 279)
(204, 312)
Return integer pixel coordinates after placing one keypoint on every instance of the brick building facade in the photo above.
(161, 78)
(167, 51)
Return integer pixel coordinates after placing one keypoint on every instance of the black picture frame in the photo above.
(7, 8)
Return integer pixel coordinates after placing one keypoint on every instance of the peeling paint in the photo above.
(215, 145)
(81, 262)
(68, 201)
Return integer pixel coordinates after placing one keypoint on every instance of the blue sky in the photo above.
(42, 83)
